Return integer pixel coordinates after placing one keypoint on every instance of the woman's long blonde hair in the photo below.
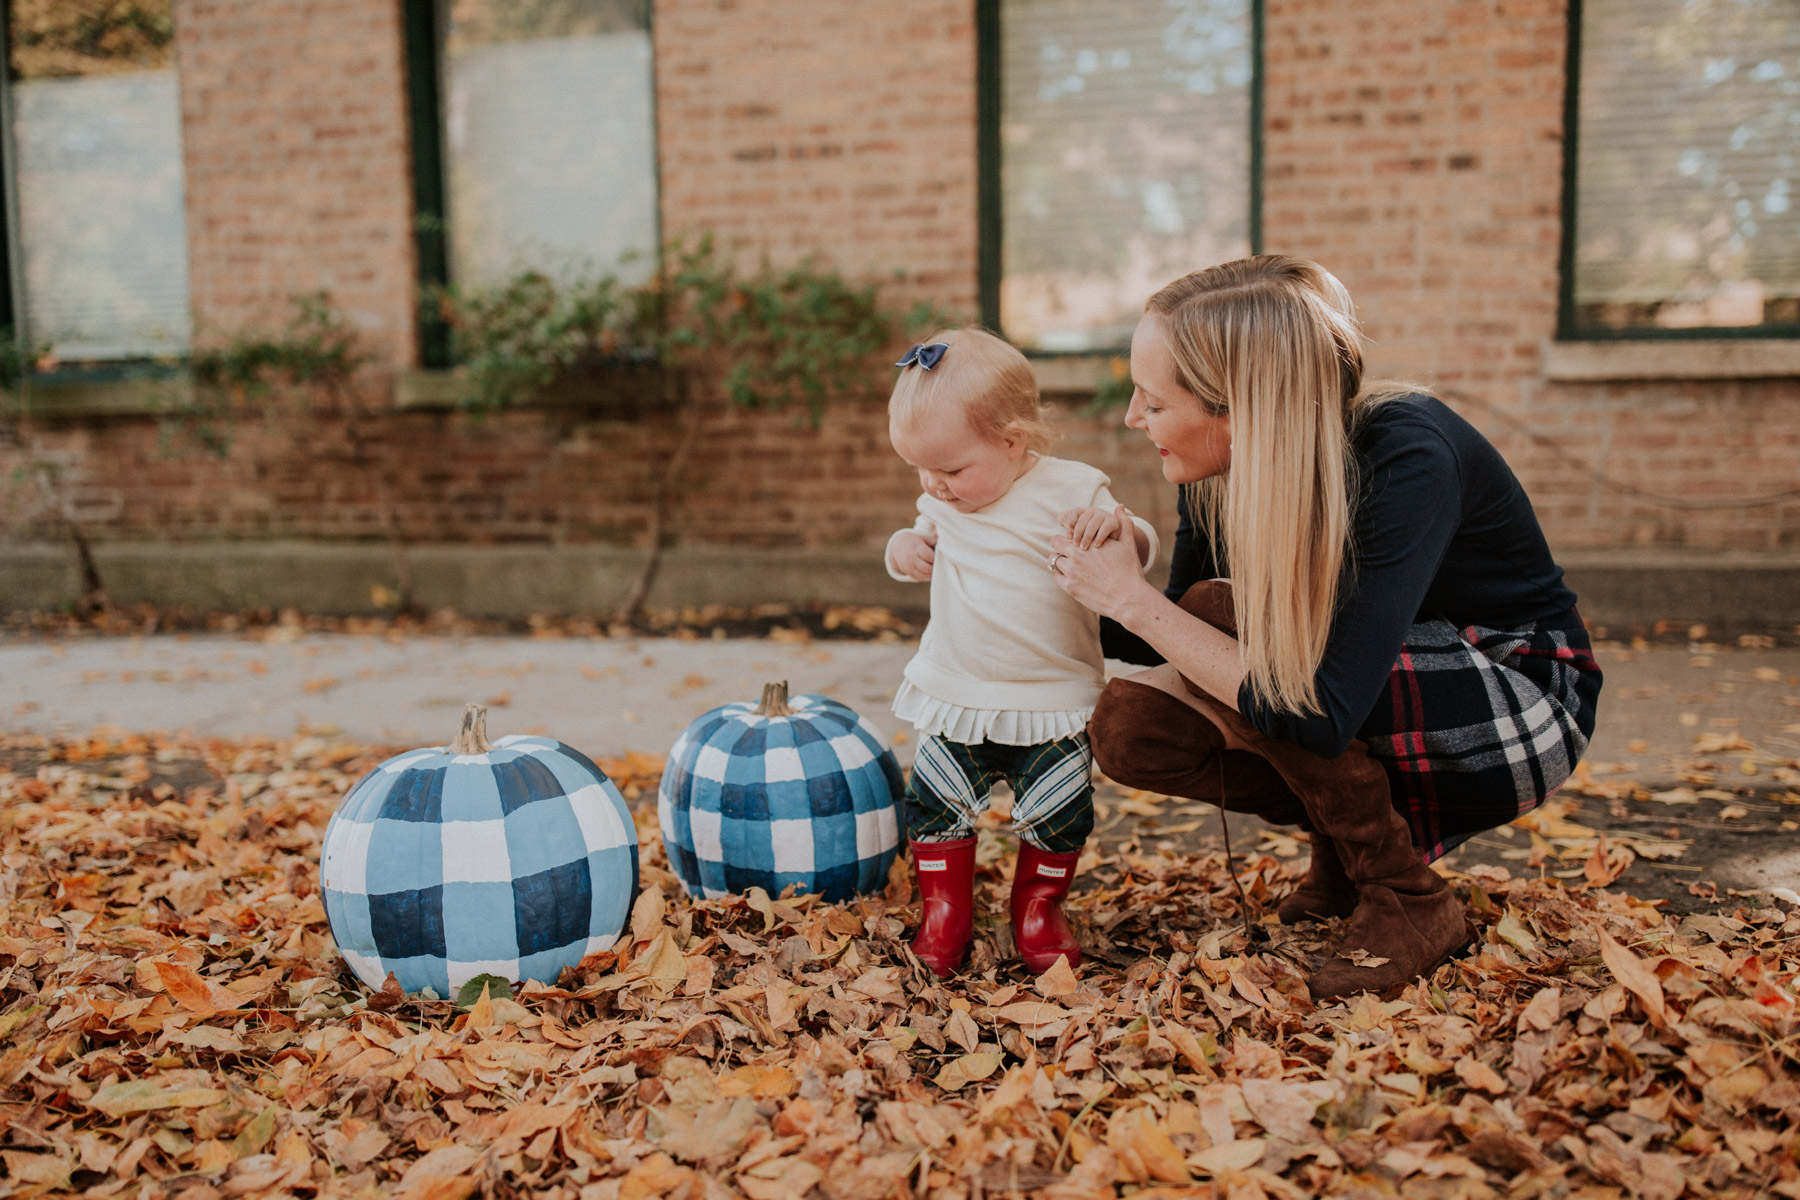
(1273, 341)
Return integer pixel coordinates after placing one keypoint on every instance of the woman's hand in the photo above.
(1102, 578)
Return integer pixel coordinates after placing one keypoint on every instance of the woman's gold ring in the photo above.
(1052, 563)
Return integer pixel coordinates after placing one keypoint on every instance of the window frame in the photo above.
(1568, 328)
(74, 375)
(990, 229)
(425, 32)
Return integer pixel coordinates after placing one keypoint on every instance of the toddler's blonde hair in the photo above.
(986, 377)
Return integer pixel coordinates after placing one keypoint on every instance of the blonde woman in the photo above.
(1394, 663)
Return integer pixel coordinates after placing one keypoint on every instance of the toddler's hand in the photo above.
(1089, 527)
(913, 553)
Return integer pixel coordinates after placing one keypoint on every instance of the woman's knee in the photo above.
(1210, 600)
(1143, 737)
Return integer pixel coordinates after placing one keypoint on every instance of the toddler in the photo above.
(1009, 667)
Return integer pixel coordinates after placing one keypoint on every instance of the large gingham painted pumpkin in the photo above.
(801, 791)
(515, 858)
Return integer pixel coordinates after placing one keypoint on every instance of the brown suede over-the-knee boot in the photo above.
(1145, 738)
(1405, 912)
(1326, 892)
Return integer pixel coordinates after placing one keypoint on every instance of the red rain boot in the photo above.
(946, 875)
(1042, 933)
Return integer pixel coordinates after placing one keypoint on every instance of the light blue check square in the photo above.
(479, 925)
(612, 876)
(543, 835)
(471, 796)
(348, 914)
(406, 856)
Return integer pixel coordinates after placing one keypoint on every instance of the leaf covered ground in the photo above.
(176, 1022)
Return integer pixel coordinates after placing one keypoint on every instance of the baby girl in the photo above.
(1009, 667)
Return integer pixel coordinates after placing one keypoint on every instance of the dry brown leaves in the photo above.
(176, 1021)
(778, 622)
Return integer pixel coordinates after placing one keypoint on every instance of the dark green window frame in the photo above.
(62, 375)
(1568, 328)
(424, 34)
(424, 46)
(987, 148)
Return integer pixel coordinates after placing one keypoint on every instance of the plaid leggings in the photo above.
(1053, 789)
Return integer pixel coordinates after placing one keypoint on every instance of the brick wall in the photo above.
(846, 130)
(298, 180)
(1415, 148)
(1412, 146)
(556, 476)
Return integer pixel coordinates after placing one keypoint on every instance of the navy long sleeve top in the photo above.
(1441, 529)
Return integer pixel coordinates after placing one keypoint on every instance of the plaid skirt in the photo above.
(1478, 726)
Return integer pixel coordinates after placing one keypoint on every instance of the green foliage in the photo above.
(317, 348)
(316, 353)
(764, 339)
(1115, 390)
(470, 992)
(530, 333)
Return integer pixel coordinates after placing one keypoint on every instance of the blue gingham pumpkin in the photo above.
(788, 792)
(516, 858)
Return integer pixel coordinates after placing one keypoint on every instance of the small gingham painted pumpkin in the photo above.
(514, 858)
(785, 792)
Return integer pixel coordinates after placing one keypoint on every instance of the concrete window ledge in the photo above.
(1617, 588)
(1723, 358)
(1068, 376)
(132, 395)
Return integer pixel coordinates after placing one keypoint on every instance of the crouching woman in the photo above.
(1394, 663)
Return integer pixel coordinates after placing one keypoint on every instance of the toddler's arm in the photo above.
(911, 552)
(1101, 522)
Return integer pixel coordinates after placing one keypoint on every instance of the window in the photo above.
(99, 228)
(1118, 154)
(535, 138)
(1682, 201)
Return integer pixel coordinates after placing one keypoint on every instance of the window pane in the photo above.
(97, 135)
(550, 137)
(1686, 206)
(1125, 159)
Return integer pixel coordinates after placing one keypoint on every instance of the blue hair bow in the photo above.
(923, 355)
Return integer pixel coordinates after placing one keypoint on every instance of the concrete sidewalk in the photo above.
(608, 696)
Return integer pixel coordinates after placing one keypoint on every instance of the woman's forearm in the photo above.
(1206, 655)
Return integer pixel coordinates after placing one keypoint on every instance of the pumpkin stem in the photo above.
(472, 738)
(774, 700)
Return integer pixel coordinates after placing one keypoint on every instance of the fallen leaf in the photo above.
(1057, 982)
(1479, 1075)
(1637, 976)
(1238, 1155)
(443, 1162)
(970, 1068)
(147, 1095)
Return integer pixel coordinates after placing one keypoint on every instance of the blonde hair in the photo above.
(986, 377)
(1273, 340)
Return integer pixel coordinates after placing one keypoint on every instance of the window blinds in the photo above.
(1125, 159)
(97, 172)
(551, 159)
(1687, 186)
